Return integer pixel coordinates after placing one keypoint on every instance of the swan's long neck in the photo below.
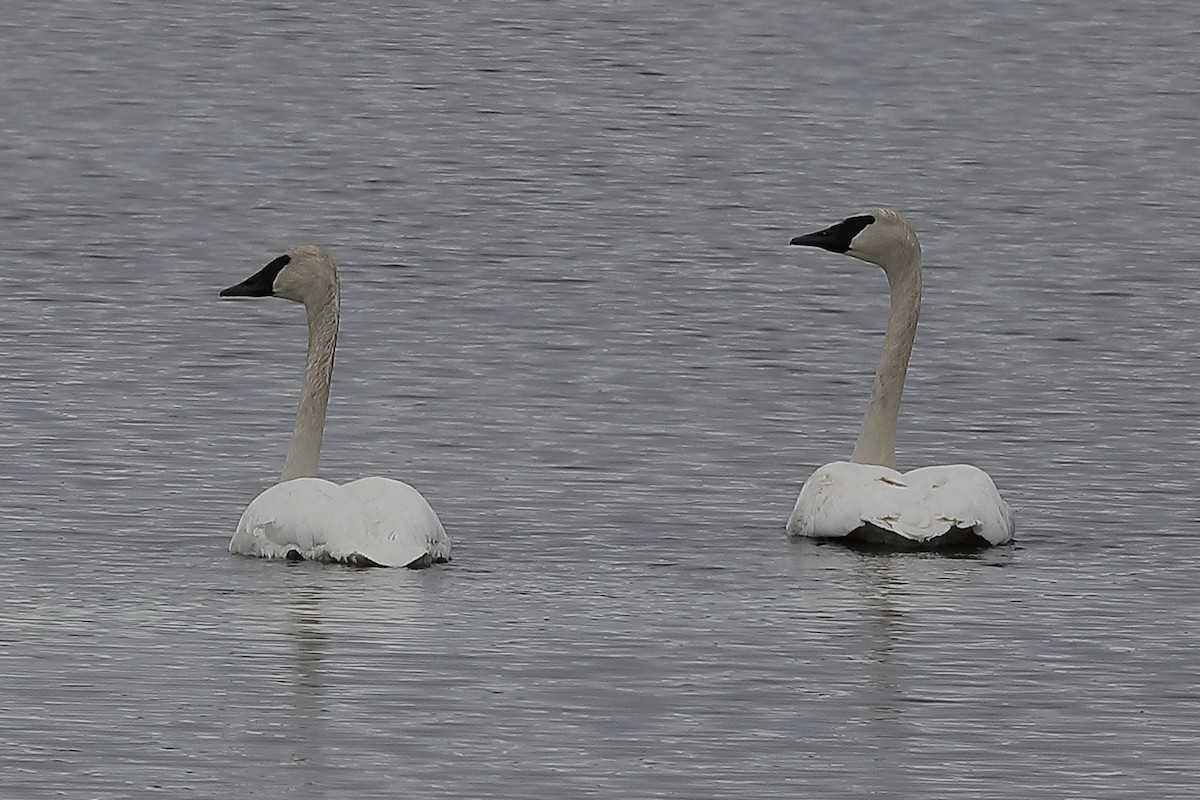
(305, 451)
(877, 439)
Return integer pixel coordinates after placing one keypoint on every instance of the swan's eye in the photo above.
(276, 266)
(860, 222)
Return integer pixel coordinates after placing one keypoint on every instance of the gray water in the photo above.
(571, 319)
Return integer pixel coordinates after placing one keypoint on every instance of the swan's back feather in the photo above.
(402, 519)
(370, 521)
(921, 506)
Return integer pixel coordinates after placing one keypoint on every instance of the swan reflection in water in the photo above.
(348, 631)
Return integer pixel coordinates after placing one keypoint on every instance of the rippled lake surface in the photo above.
(571, 319)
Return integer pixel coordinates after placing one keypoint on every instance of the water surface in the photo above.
(571, 319)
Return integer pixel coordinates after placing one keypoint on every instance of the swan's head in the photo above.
(878, 235)
(305, 274)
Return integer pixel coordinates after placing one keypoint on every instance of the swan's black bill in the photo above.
(836, 237)
(261, 283)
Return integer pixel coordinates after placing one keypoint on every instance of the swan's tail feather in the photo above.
(920, 527)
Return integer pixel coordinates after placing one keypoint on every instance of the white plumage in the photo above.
(866, 499)
(368, 522)
(930, 506)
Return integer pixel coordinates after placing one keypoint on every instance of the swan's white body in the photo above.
(370, 521)
(866, 499)
(931, 506)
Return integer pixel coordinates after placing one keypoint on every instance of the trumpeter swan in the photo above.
(866, 499)
(369, 522)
